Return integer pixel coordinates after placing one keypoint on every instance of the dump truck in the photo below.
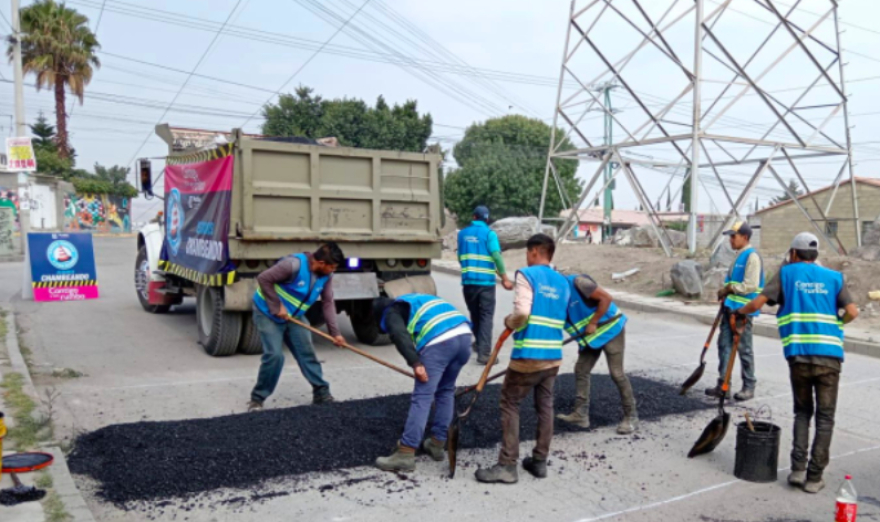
(234, 204)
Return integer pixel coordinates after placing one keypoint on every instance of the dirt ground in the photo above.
(601, 261)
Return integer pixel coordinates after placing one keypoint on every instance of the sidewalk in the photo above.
(858, 340)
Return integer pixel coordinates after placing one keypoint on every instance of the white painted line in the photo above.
(721, 485)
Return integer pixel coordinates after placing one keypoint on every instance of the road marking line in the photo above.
(721, 485)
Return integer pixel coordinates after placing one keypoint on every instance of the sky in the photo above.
(463, 61)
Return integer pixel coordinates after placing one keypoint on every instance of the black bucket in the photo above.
(757, 453)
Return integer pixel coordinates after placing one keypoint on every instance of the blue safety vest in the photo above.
(296, 295)
(429, 316)
(580, 313)
(735, 275)
(541, 337)
(477, 265)
(807, 320)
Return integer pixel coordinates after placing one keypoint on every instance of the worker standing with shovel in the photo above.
(435, 340)
(287, 290)
(538, 319)
(810, 298)
(744, 282)
(594, 315)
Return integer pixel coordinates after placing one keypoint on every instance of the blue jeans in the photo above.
(443, 362)
(299, 342)
(746, 354)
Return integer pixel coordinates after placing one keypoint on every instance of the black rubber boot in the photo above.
(538, 468)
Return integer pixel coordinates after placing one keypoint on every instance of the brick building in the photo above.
(780, 223)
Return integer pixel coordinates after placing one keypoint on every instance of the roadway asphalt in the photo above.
(138, 367)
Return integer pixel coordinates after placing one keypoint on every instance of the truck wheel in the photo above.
(250, 342)
(142, 283)
(365, 325)
(315, 315)
(219, 331)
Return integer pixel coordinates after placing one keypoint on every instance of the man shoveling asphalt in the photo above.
(593, 314)
(538, 318)
(810, 298)
(289, 289)
(744, 282)
(435, 340)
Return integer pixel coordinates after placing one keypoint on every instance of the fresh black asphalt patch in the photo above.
(177, 459)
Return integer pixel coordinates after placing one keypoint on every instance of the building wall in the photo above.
(109, 214)
(781, 224)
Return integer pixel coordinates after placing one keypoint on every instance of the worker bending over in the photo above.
(286, 290)
(479, 254)
(594, 317)
(810, 326)
(435, 340)
(744, 282)
(538, 318)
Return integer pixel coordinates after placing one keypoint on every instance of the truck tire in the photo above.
(315, 315)
(142, 283)
(219, 331)
(365, 325)
(249, 343)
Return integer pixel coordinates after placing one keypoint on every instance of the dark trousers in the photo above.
(811, 382)
(515, 388)
(480, 302)
(745, 351)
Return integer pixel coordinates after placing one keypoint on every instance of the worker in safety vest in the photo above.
(744, 282)
(595, 317)
(810, 298)
(286, 290)
(538, 318)
(479, 254)
(435, 340)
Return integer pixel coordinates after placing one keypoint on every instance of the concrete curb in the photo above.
(642, 304)
(62, 479)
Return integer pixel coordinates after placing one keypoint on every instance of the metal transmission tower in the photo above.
(725, 92)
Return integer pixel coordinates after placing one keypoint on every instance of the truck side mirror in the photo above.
(146, 170)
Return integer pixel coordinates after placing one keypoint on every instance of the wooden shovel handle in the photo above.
(352, 348)
(726, 385)
(714, 327)
(492, 356)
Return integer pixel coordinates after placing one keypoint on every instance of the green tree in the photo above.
(351, 121)
(501, 164)
(49, 161)
(58, 47)
(115, 175)
(686, 192)
(793, 187)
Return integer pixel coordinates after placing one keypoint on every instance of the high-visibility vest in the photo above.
(807, 320)
(735, 275)
(580, 313)
(477, 265)
(541, 337)
(297, 295)
(429, 316)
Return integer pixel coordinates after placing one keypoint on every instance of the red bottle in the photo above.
(847, 502)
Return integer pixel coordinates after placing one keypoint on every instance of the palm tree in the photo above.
(59, 49)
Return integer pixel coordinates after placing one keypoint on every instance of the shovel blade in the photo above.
(452, 444)
(693, 379)
(711, 436)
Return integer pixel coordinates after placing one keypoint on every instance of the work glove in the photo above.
(723, 292)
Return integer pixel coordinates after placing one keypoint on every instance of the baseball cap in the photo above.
(739, 227)
(805, 241)
(482, 212)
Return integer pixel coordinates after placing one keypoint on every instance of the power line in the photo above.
(100, 15)
(303, 66)
(183, 86)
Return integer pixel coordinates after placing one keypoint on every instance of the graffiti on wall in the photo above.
(97, 212)
(9, 199)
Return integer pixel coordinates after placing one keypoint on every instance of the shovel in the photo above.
(358, 351)
(717, 428)
(698, 373)
(455, 427)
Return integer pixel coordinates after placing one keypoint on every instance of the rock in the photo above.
(451, 223)
(872, 233)
(644, 236)
(622, 238)
(867, 252)
(713, 280)
(723, 257)
(514, 232)
(687, 278)
(450, 241)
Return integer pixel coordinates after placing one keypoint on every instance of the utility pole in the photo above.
(24, 213)
(695, 140)
(609, 111)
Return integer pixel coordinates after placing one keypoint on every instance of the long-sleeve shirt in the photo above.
(396, 318)
(752, 280)
(522, 308)
(286, 271)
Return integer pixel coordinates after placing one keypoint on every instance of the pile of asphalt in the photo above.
(177, 459)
